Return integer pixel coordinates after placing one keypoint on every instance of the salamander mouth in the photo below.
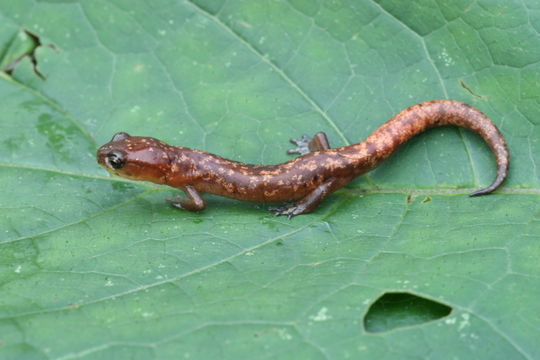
(122, 173)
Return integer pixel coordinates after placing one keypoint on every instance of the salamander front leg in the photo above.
(194, 202)
(305, 145)
(310, 202)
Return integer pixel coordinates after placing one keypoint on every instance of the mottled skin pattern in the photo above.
(307, 179)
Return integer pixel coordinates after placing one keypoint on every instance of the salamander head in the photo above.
(136, 157)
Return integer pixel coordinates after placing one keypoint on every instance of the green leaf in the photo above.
(98, 267)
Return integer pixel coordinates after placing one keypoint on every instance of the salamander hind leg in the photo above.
(310, 202)
(305, 145)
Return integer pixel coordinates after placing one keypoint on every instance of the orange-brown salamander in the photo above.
(307, 179)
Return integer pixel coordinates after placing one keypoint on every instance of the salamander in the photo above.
(305, 180)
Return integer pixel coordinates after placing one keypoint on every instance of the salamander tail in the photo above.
(420, 117)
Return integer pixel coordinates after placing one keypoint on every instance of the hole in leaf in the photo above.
(23, 45)
(396, 310)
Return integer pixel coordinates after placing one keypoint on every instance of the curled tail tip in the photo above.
(485, 191)
(481, 192)
(502, 171)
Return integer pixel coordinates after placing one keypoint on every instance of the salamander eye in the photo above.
(116, 160)
(120, 136)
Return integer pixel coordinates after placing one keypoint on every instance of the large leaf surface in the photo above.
(96, 267)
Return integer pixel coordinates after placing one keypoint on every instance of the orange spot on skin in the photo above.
(333, 164)
(269, 194)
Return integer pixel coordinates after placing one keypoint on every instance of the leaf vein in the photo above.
(276, 68)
